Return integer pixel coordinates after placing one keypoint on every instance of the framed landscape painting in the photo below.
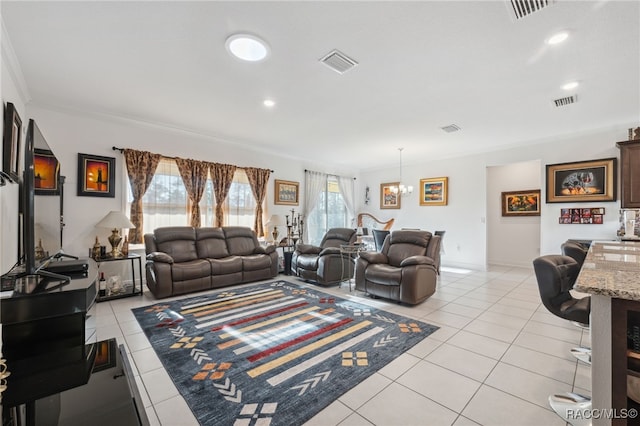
(287, 192)
(582, 181)
(96, 176)
(389, 196)
(521, 203)
(433, 191)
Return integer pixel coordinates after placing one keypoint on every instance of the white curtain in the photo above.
(347, 189)
(314, 184)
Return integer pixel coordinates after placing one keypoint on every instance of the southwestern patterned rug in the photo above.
(274, 353)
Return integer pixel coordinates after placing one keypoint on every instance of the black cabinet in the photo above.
(630, 173)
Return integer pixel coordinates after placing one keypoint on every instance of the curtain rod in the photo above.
(115, 148)
(328, 174)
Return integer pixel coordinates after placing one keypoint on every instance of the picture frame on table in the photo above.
(521, 203)
(287, 192)
(434, 191)
(582, 181)
(11, 141)
(46, 172)
(390, 198)
(96, 176)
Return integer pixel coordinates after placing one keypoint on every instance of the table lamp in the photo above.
(115, 220)
(274, 221)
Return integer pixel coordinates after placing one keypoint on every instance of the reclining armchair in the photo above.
(325, 264)
(405, 270)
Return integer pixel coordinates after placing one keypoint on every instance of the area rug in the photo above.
(274, 353)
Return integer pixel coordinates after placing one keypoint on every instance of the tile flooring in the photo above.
(496, 358)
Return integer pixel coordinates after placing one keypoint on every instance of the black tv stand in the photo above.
(62, 254)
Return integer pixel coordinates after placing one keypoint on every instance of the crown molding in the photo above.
(10, 58)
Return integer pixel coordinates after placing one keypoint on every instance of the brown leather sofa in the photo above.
(182, 259)
(405, 270)
(325, 264)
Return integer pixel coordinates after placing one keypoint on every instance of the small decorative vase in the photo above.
(96, 249)
(125, 246)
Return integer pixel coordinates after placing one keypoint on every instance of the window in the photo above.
(166, 202)
(329, 212)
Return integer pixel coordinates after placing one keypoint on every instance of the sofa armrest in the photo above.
(374, 257)
(269, 249)
(329, 250)
(308, 249)
(158, 256)
(417, 260)
(259, 250)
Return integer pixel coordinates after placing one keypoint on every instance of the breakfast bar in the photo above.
(610, 274)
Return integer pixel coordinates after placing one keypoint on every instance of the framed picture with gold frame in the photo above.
(96, 176)
(287, 192)
(582, 181)
(521, 203)
(434, 191)
(390, 197)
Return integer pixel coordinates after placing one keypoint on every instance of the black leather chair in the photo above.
(325, 264)
(378, 237)
(556, 275)
(574, 250)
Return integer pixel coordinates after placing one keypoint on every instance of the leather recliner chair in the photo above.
(325, 264)
(404, 270)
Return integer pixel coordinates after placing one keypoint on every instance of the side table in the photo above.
(349, 252)
(135, 290)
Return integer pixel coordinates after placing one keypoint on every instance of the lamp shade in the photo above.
(275, 220)
(115, 220)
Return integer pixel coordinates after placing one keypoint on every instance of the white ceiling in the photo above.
(422, 65)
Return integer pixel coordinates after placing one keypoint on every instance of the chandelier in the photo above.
(401, 188)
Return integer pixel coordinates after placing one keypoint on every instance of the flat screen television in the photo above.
(41, 206)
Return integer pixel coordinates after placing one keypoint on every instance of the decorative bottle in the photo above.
(125, 246)
(96, 249)
(102, 286)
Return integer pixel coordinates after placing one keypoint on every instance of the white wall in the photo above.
(464, 218)
(69, 133)
(503, 232)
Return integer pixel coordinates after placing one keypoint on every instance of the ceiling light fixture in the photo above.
(269, 103)
(570, 86)
(247, 47)
(401, 188)
(558, 38)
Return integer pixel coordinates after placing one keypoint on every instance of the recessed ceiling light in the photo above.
(269, 103)
(558, 38)
(247, 47)
(570, 86)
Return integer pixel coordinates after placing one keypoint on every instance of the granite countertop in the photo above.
(612, 268)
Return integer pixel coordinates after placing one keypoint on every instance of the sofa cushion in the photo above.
(191, 270)
(403, 244)
(226, 265)
(384, 274)
(179, 242)
(210, 243)
(307, 261)
(241, 241)
(256, 262)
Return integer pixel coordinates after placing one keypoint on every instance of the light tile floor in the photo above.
(496, 358)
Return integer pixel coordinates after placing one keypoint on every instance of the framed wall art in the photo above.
(389, 196)
(582, 181)
(287, 192)
(433, 191)
(11, 141)
(521, 203)
(46, 172)
(96, 176)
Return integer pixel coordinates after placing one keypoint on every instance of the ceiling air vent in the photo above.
(450, 128)
(338, 61)
(523, 8)
(566, 101)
